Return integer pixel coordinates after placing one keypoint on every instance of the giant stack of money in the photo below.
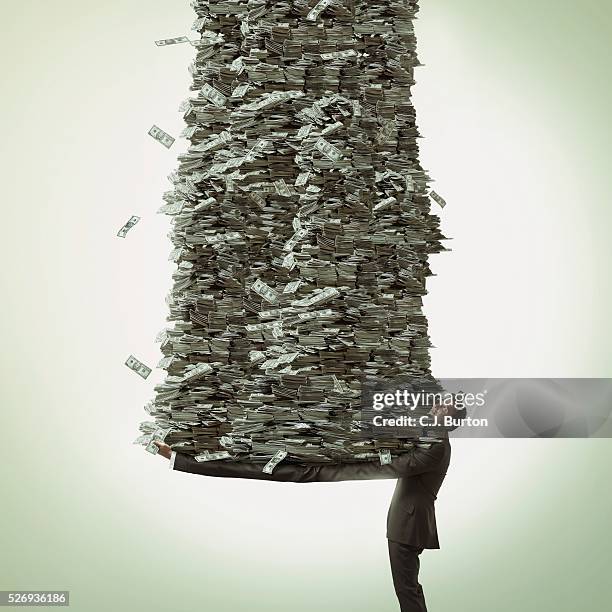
(302, 227)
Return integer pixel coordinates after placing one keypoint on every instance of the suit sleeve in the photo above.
(417, 460)
(239, 469)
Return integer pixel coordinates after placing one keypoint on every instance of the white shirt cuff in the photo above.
(172, 458)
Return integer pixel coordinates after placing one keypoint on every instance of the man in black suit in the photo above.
(411, 520)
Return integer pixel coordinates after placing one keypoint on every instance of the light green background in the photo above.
(513, 102)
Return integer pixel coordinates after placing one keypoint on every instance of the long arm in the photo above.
(239, 469)
(415, 461)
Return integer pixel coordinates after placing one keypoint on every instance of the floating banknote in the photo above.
(122, 233)
(278, 457)
(140, 368)
(161, 136)
(171, 41)
(440, 200)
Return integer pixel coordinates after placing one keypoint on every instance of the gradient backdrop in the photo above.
(514, 102)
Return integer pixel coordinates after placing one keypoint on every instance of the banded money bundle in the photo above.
(301, 226)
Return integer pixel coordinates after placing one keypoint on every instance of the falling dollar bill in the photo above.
(161, 136)
(328, 149)
(385, 456)
(265, 291)
(439, 199)
(137, 366)
(207, 456)
(278, 457)
(171, 41)
(128, 226)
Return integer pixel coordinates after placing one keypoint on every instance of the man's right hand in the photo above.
(164, 449)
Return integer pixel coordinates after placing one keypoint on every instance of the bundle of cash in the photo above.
(301, 229)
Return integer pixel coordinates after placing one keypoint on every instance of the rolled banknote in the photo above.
(137, 366)
(278, 457)
(161, 136)
(128, 226)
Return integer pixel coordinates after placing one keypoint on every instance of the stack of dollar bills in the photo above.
(301, 230)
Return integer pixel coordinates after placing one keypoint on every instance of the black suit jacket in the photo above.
(420, 471)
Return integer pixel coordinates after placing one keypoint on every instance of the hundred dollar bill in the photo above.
(152, 447)
(208, 456)
(271, 99)
(161, 136)
(217, 141)
(339, 54)
(137, 366)
(240, 90)
(384, 203)
(409, 183)
(171, 209)
(440, 200)
(385, 456)
(317, 314)
(282, 188)
(128, 226)
(299, 235)
(385, 132)
(304, 131)
(317, 297)
(199, 370)
(171, 41)
(292, 287)
(165, 362)
(302, 178)
(318, 8)
(328, 149)
(289, 262)
(265, 291)
(216, 97)
(278, 457)
(270, 325)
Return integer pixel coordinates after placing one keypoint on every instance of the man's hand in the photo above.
(164, 449)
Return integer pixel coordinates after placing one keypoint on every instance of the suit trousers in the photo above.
(405, 571)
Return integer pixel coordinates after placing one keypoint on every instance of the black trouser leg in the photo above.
(405, 570)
